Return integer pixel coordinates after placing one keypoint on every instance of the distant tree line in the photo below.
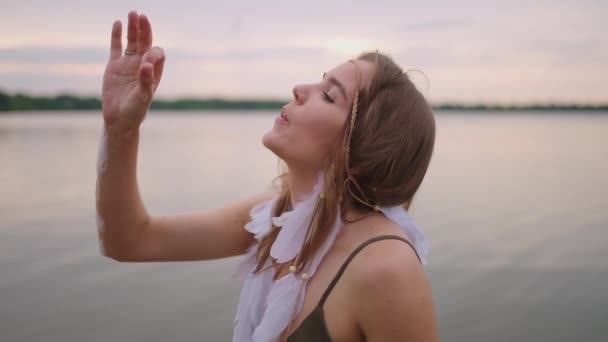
(215, 104)
(526, 107)
(23, 102)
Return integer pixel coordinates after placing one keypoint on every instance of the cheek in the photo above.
(320, 132)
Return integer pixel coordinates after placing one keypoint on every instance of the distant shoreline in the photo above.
(22, 102)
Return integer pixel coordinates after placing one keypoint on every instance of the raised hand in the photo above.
(130, 80)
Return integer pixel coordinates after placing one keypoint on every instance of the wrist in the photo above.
(120, 131)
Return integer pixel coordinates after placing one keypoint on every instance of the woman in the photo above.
(356, 144)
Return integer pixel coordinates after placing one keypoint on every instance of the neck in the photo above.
(301, 182)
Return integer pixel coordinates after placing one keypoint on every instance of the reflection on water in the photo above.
(514, 205)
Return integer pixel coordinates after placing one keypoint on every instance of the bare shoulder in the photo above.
(387, 259)
(394, 297)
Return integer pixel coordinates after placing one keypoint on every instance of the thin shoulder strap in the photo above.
(352, 255)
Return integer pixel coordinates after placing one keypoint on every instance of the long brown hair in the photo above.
(381, 159)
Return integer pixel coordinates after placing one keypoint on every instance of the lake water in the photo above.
(515, 206)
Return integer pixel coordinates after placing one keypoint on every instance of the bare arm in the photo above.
(129, 82)
(121, 215)
(205, 235)
(126, 231)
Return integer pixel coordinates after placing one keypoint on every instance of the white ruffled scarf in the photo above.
(265, 307)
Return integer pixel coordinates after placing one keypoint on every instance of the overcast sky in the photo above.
(489, 51)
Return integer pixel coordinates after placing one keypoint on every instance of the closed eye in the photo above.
(327, 98)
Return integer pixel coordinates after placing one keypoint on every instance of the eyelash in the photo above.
(327, 98)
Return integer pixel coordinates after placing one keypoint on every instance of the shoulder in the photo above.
(386, 259)
(393, 294)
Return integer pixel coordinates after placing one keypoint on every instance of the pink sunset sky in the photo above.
(471, 51)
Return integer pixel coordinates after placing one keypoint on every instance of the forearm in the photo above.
(121, 215)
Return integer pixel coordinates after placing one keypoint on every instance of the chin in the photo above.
(270, 141)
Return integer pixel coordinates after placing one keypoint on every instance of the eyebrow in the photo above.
(337, 83)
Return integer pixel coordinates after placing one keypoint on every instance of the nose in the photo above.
(298, 94)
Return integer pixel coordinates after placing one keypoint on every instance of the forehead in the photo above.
(345, 74)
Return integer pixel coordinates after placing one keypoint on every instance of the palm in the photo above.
(129, 81)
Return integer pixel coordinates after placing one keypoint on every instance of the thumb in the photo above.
(156, 57)
(146, 78)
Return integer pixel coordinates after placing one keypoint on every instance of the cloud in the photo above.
(569, 52)
(436, 24)
(470, 49)
(52, 55)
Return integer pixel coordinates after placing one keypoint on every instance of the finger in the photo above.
(146, 78)
(116, 44)
(156, 57)
(158, 71)
(132, 32)
(144, 34)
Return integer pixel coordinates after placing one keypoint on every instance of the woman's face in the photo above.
(309, 126)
